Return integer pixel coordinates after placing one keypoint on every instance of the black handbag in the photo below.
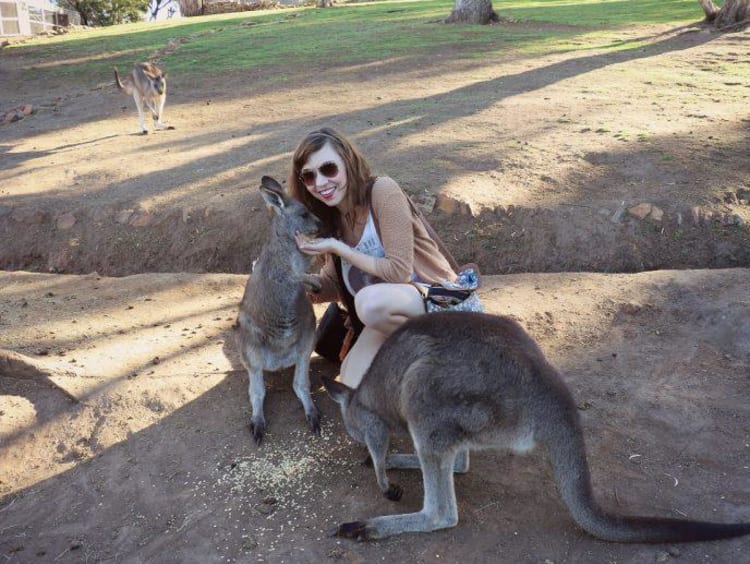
(337, 330)
(332, 332)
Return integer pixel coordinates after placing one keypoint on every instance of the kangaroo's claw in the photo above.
(356, 530)
(258, 429)
(394, 492)
(313, 420)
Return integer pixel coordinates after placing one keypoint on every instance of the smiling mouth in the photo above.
(327, 194)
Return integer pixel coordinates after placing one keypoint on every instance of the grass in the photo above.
(346, 35)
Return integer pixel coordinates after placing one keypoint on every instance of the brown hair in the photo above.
(358, 175)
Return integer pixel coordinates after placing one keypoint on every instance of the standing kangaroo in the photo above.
(276, 318)
(459, 381)
(148, 86)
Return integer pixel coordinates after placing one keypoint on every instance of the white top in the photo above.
(369, 244)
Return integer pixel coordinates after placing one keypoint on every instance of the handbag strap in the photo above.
(347, 298)
(417, 213)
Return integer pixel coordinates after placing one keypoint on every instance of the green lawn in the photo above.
(347, 34)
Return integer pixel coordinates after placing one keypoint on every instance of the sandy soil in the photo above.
(123, 409)
(126, 437)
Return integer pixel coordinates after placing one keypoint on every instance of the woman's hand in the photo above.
(316, 247)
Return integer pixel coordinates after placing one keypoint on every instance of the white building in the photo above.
(30, 17)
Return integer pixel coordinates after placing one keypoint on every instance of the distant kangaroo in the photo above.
(459, 381)
(276, 318)
(148, 86)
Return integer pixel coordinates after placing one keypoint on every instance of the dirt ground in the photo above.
(123, 410)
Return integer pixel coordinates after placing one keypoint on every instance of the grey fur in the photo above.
(460, 381)
(148, 86)
(276, 318)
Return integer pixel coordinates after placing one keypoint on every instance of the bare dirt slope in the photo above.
(524, 159)
(125, 438)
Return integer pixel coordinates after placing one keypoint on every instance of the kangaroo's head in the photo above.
(291, 215)
(159, 83)
(342, 394)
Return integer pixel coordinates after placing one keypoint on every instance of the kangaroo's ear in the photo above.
(273, 194)
(339, 392)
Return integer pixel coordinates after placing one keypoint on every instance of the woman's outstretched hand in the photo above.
(316, 247)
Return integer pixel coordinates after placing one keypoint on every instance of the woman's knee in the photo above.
(380, 303)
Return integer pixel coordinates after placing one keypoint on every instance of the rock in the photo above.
(27, 109)
(66, 221)
(141, 219)
(123, 216)
(630, 308)
(695, 214)
(450, 205)
(619, 214)
(640, 211)
(656, 213)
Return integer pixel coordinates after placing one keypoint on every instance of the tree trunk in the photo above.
(191, 7)
(473, 12)
(731, 13)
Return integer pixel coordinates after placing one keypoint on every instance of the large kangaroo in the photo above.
(459, 381)
(276, 318)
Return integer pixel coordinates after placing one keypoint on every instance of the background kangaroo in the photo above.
(276, 318)
(148, 86)
(459, 381)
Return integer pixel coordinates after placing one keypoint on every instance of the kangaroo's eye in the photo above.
(305, 215)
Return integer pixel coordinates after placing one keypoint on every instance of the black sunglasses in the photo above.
(329, 170)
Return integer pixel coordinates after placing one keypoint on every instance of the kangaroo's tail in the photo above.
(565, 445)
(117, 80)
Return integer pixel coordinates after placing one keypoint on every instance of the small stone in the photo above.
(640, 211)
(141, 219)
(630, 308)
(695, 214)
(619, 214)
(66, 221)
(264, 509)
(661, 556)
(27, 109)
(674, 551)
(123, 216)
(657, 213)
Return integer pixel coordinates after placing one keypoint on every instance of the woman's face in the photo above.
(324, 176)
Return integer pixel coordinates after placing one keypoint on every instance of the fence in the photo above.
(33, 17)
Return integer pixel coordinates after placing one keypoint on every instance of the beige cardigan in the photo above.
(408, 247)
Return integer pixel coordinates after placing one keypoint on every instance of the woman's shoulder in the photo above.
(385, 188)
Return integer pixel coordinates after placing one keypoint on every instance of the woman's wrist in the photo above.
(342, 250)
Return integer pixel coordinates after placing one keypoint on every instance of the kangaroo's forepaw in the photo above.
(356, 530)
(313, 420)
(394, 492)
(258, 429)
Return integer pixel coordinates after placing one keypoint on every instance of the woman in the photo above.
(383, 247)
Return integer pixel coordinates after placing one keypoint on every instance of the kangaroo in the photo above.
(148, 85)
(462, 380)
(276, 318)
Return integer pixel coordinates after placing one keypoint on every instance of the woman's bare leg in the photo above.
(382, 308)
